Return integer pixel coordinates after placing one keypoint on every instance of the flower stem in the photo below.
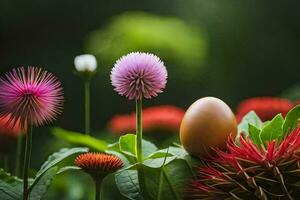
(87, 105)
(98, 189)
(139, 131)
(139, 149)
(18, 155)
(27, 163)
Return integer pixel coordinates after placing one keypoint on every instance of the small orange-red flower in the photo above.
(165, 117)
(265, 107)
(98, 165)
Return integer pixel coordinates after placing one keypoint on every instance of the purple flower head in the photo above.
(139, 75)
(32, 95)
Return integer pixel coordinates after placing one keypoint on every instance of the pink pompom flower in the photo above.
(32, 95)
(139, 75)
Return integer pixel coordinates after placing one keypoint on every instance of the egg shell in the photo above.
(207, 124)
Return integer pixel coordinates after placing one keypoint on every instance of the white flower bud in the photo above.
(85, 62)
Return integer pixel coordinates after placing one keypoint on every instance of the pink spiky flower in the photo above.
(31, 95)
(250, 172)
(139, 75)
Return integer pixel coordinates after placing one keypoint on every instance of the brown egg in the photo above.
(207, 123)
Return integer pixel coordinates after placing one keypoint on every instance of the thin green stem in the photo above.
(27, 163)
(139, 148)
(139, 131)
(18, 155)
(87, 106)
(98, 188)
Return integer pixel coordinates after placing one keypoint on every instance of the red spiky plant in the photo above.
(249, 172)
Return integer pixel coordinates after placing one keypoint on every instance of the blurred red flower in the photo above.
(164, 117)
(9, 126)
(265, 107)
(9, 130)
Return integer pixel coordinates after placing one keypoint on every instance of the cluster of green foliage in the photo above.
(263, 132)
(165, 171)
(11, 187)
(139, 31)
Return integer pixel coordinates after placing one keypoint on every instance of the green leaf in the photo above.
(254, 134)
(55, 158)
(250, 118)
(67, 168)
(127, 145)
(179, 153)
(291, 121)
(148, 148)
(11, 187)
(243, 127)
(126, 160)
(79, 139)
(272, 130)
(158, 162)
(128, 183)
(167, 182)
(170, 179)
(158, 154)
(41, 187)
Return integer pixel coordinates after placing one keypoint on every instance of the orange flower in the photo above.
(98, 165)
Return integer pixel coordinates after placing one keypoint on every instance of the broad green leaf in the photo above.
(126, 160)
(148, 148)
(127, 146)
(158, 162)
(79, 139)
(11, 187)
(167, 182)
(128, 184)
(250, 118)
(113, 147)
(176, 174)
(272, 130)
(158, 154)
(180, 153)
(254, 134)
(55, 158)
(291, 121)
(41, 187)
(67, 168)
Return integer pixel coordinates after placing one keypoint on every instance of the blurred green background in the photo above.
(229, 49)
